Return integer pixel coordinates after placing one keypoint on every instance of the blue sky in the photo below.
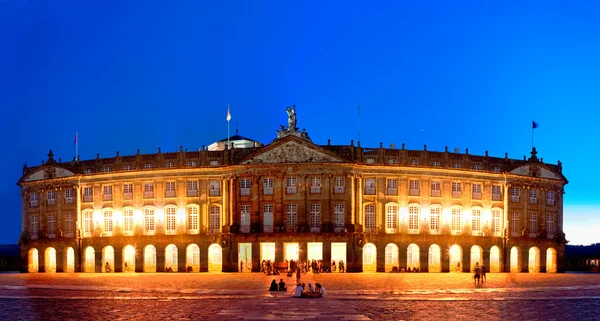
(149, 74)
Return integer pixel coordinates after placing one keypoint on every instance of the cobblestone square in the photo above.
(244, 296)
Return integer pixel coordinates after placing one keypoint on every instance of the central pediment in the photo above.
(292, 150)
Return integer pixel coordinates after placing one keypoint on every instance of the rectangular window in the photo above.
(88, 194)
(192, 213)
(456, 217)
(170, 189)
(370, 160)
(315, 217)
(245, 218)
(436, 188)
(550, 197)
(33, 200)
(34, 226)
(533, 196)
(496, 219)
(514, 223)
(215, 219)
(215, 188)
(550, 226)
(476, 221)
(108, 221)
(69, 194)
(370, 218)
(496, 169)
(169, 165)
(147, 166)
(127, 191)
(214, 163)
(339, 183)
(338, 218)
(107, 169)
(477, 167)
(149, 220)
(128, 220)
(148, 190)
(436, 164)
(532, 225)
(391, 219)
(69, 224)
(191, 164)
(414, 187)
(413, 218)
(496, 193)
(245, 186)
(514, 194)
(88, 171)
(87, 222)
(170, 218)
(192, 188)
(370, 186)
(315, 185)
(268, 186)
(393, 161)
(392, 186)
(414, 162)
(290, 184)
(476, 191)
(456, 189)
(107, 192)
(291, 217)
(434, 218)
(51, 225)
(456, 165)
(51, 197)
(268, 218)
(127, 167)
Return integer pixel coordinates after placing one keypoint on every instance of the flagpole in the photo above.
(228, 120)
(76, 145)
(359, 121)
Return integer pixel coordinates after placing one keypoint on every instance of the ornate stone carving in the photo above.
(293, 152)
(291, 128)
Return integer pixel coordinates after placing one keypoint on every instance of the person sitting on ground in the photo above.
(298, 291)
(273, 286)
(320, 291)
(282, 286)
(107, 267)
(311, 289)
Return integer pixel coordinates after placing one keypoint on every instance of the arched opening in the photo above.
(192, 259)
(128, 259)
(434, 259)
(50, 260)
(245, 257)
(494, 259)
(412, 257)
(550, 260)
(33, 261)
(171, 259)
(391, 257)
(69, 260)
(514, 259)
(456, 264)
(369, 258)
(108, 259)
(476, 256)
(150, 258)
(534, 260)
(90, 260)
(215, 258)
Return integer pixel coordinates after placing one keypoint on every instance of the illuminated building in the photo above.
(373, 208)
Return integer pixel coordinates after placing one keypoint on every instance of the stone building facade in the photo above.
(228, 210)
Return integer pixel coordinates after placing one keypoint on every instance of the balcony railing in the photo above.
(315, 229)
(291, 189)
(268, 190)
(392, 191)
(338, 229)
(245, 228)
(315, 189)
(192, 193)
(33, 204)
(88, 198)
(533, 200)
(391, 230)
(550, 202)
(436, 193)
(148, 194)
(414, 192)
(370, 229)
(268, 228)
(456, 194)
(496, 197)
(169, 193)
(214, 192)
(69, 200)
(51, 201)
(214, 230)
(515, 198)
(107, 197)
(127, 196)
(245, 191)
(338, 189)
(476, 196)
(370, 191)
(291, 228)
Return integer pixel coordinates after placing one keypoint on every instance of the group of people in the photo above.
(267, 267)
(278, 287)
(311, 292)
(395, 269)
(479, 276)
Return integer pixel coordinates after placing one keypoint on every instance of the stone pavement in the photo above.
(419, 296)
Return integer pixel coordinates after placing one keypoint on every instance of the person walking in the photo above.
(483, 270)
(298, 273)
(477, 275)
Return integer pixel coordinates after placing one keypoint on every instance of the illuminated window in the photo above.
(147, 166)
(391, 222)
(191, 164)
(533, 196)
(370, 186)
(108, 221)
(268, 218)
(456, 216)
(170, 218)
(315, 217)
(69, 224)
(413, 218)
(315, 185)
(51, 225)
(476, 191)
(476, 220)
(456, 189)
(268, 186)
(550, 198)
(88, 194)
(496, 193)
(51, 197)
(436, 188)
(33, 199)
(148, 190)
(414, 187)
(496, 219)
(338, 218)
(87, 221)
(34, 226)
(339, 183)
(514, 223)
(214, 163)
(245, 186)
(107, 169)
(169, 165)
(436, 164)
(128, 220)
(291, 217)
(107, 192)
(532, 223)
(514, 194)
(477, 167)
(170, 189)
(127, 167)
(434, 218)
(290, 184)
(215, 188)
(127, 188)
(245, 218)
(370, 218)
(69, 194)
(215, 219)
(392, 186)
(456, 165)
(192, 213)
(192, 188)
(149, 220)
(550, 225)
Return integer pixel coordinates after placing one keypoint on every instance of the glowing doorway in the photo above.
(150, 259)
(193, 258)
(108, 259)
(291, 251)
(315, 251)
(338, 255)
(476, 256)
(551, 260)
(391, 257)
(33, 261)
(128, 259)
(412, 257)
(369, 258)
(514, 260)
(215, 258)
(70, 260)
(434, 259)
(267, 252)
(534, 260)
(171, 258)
(456, 264)
(245, 256)
(494, 259)
(90, 260)
(50, 260)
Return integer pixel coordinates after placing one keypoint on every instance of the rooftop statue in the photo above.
(291, 128)
(291, 111)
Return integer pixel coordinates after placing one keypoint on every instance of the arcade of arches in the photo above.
(368, 258)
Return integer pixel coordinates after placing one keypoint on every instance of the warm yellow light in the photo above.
(137, 216)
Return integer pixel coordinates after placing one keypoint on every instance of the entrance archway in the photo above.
(369, 258)
(69, 260)
(413, 257)
(245, 257)
(215, 258)
(150, 258)
(338, 254)
(291, 251)
(456, 263)
(50, 260)
(90, 260)
(551, 260)
(434, 259)
(192, 257)
(494, 259)
(171, 258)
(391, 257)
(476, 256)
(33, 261)
(315, 251)
(534, 260)
(128, 259)
(514, 260)
(108, 259)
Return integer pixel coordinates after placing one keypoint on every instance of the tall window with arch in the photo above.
(413, 219)
(149, 220)
(496, 225)
(391, 219)
(87, 222)
(192, 214)
(128, 220)
(456, 217)
(215, 219)
(370, 218)
(170, 219)
(108, 221)
(476, 221)
(434, 219)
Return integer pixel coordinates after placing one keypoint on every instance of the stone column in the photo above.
(160, 258)
(181, 258)
(60, 260)
(466, 260)
(98, 260)
(445, 259)
(524, 260)
(424, 259)
(380, 256)
(203, 256)
(41, 260)
(360, 210)
(256, 262)
(352, 200)
(402, 256)
(118, 261)
(327, 254)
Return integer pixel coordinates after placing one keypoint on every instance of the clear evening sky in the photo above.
(149, 74)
